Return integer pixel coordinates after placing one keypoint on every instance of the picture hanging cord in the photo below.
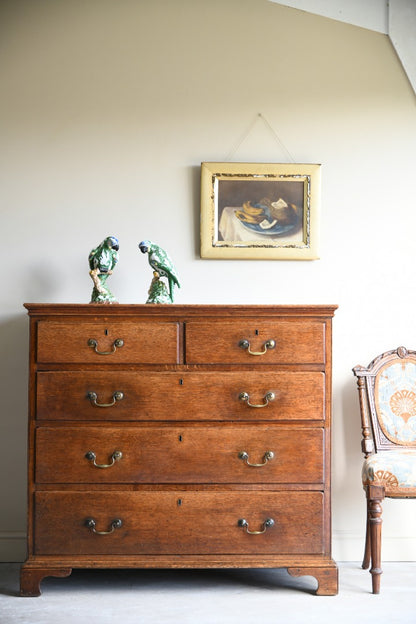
(247, 132)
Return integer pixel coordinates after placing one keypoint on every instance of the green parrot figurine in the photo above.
(162, 266)
(102, 261)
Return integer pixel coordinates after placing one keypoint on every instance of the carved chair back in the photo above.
(387, 389)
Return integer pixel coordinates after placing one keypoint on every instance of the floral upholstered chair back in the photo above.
(393, 408)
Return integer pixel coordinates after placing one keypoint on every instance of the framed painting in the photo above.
(258, 211)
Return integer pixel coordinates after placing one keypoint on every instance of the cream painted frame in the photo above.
(262, 247)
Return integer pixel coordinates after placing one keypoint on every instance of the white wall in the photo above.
(108, 109)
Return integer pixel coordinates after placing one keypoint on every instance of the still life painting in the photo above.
(259, 211)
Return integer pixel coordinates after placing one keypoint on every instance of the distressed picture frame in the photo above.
(260, 211)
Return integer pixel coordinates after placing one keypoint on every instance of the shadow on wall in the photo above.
(14, 338)
(348, 476)
(352, 422)
(195, 176)
(43, 280)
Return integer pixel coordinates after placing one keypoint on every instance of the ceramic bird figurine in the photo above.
(162, 266)
(102, 261)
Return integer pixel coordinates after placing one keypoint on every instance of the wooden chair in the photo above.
(387, 391)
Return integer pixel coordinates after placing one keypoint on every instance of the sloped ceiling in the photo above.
(395, 18)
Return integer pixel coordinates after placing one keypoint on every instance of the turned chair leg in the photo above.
(375, 495)
(367, 549)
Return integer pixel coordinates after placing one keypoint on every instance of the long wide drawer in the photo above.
(140, 395)
(254, 341)
(178, 522)
(187, 454)
(108, 342)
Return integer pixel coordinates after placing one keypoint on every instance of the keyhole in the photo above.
(180, 438)
(106, 332)
(179, 502)
(181, 382)
(256, 331)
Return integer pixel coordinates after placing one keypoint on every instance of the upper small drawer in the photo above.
(252, 341)
(109, 342)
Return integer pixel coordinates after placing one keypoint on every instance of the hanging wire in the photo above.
(245, 134)
(242, 138)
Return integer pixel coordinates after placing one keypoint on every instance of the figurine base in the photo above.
(158, 292)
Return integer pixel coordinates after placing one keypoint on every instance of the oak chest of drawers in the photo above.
(179, 437)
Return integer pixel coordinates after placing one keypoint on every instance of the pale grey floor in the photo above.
(209, 597)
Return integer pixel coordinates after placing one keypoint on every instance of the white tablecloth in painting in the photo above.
(231, 229)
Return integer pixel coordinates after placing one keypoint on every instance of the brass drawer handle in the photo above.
(116, 456)
(116, 524)
(269, 522)
(269, 344)
(118, 343)
(268, 397)
(268, 456)
(117, 396)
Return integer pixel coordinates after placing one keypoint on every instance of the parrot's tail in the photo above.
(171, 287)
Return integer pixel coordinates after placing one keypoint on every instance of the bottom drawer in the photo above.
(178, 522)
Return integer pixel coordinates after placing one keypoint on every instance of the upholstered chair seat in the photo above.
(387, 392)
(394, 470)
